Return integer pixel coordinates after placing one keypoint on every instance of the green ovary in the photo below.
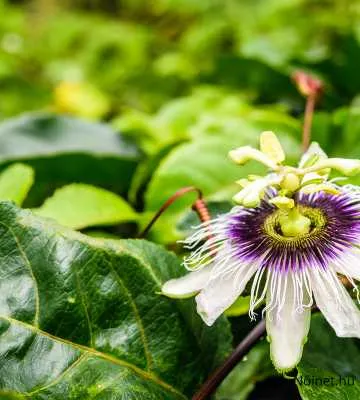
(298, 223)
(293, 223)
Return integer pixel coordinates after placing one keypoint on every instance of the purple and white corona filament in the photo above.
(289, 257)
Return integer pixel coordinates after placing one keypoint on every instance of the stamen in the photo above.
(254, 299)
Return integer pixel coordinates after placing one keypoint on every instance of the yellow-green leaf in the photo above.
(15, 183)
(78, 206)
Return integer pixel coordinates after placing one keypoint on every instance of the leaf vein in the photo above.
(30, 269)
(107, 357)
(75, 364)
(83, 302)
(137, 316)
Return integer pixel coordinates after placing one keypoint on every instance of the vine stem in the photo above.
(199, 206)
(214, 381)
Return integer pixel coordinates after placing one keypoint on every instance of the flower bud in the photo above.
(307, 85)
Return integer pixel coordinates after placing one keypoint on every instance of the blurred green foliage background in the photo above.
(141, 54)
(184, 81)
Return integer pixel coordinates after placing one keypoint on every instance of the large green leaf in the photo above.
(330, 366)
(346, 126)
(144, 172)
(79, 206)
(81, 317)
(64, 150)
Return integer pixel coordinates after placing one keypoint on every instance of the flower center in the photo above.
(299, 223)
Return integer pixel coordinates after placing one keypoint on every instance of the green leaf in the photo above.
(191, 219)
(326, 359)
(10, 396)
(79, 206)
(214, 342)
(256, 366)
(347, 120)
(240, 307)
(204, 164)
(15, 183)
(81, 318)
(350, 124)
(144, 172)
(63, 150)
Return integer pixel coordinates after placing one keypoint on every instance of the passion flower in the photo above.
(291, 235)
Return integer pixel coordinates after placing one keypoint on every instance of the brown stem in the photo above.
(214, 381)
(308, 117)
(199, 206)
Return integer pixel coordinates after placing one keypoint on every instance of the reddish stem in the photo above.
(308, 117)
(310, 87)
(199, 206)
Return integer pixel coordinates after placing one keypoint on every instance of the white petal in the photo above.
(349, 265)
(335, 303)
(287, 324)
(187, 285)
(223, 289)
